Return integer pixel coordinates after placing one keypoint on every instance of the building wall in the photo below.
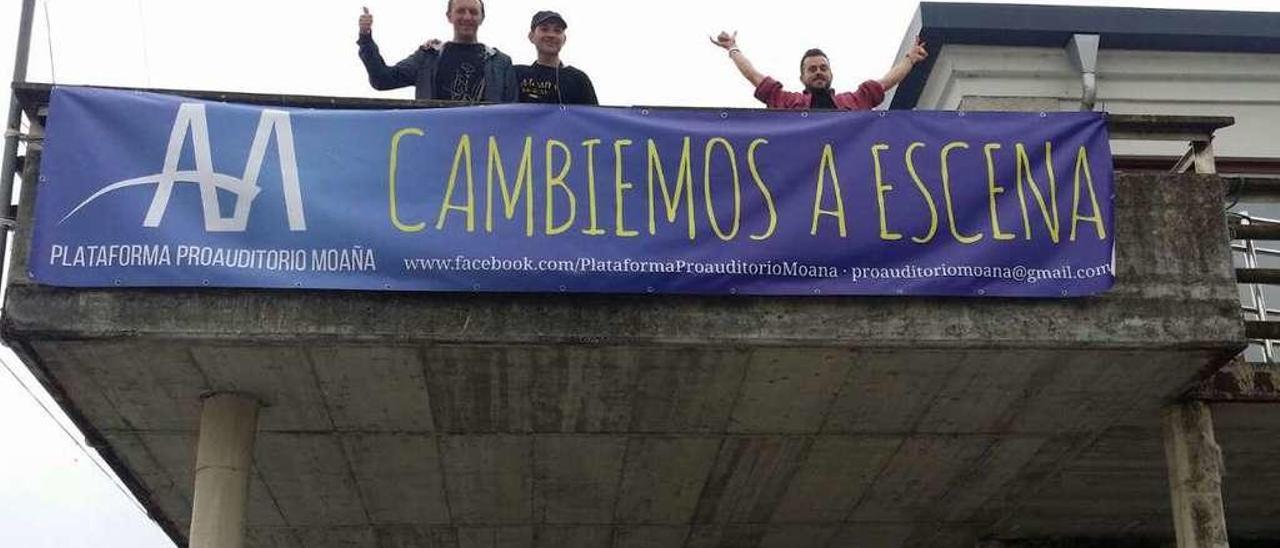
(1246, 86)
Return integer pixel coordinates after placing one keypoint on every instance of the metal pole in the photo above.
(14, 125)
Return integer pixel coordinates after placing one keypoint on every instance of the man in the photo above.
(815, 73)
(548, 80)
(459, 70)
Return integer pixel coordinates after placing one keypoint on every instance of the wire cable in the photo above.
(85, 450)
(146, 55)
(1233, 192)
(48, 34)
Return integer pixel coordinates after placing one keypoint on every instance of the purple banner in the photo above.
(142, 189)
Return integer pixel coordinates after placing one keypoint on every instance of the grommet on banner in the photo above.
(733, 291)
(562, 288)
(724, 115)
(817, 291)
(386, 286)
(116, 281)
(648, 289)
(297, 284)
(804, 114)
(960, 113)
(644, 112)
(563, 108)
(475, 287)
(982, 292)
(1044, 115)
(883, 114)
(202, 282)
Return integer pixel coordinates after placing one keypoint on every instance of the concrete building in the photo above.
(333, 419)
(1125, 61)
(1122, 61)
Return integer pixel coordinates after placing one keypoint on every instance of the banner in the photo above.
(141, 189)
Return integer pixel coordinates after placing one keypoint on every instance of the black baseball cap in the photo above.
(547, 15)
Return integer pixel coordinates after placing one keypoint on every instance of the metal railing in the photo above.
(1257, 275)
(1254, 279)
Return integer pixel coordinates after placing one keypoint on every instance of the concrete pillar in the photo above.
(224, 456)
(1194, 461)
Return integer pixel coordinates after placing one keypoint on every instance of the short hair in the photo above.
(812, 52)
(448, 8)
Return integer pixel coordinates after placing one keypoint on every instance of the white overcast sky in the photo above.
(652, 52)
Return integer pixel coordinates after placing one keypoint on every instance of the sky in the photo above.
(55, 493)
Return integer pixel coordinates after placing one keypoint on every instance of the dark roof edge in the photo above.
(1022, 25)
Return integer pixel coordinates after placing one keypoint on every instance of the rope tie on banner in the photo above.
(25, 137)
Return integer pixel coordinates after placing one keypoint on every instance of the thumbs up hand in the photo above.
(366, 21)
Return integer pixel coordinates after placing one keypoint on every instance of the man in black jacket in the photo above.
(548, 80)
(462, 69)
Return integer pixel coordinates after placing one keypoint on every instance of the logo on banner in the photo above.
(192, 121)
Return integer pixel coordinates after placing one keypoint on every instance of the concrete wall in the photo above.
(1175, 285)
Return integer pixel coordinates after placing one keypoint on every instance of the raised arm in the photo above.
(381, 76)
(730, 43)
(903, 67)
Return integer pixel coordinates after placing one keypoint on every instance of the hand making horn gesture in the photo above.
(917, 53)
(726, 40)
(730, 43)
